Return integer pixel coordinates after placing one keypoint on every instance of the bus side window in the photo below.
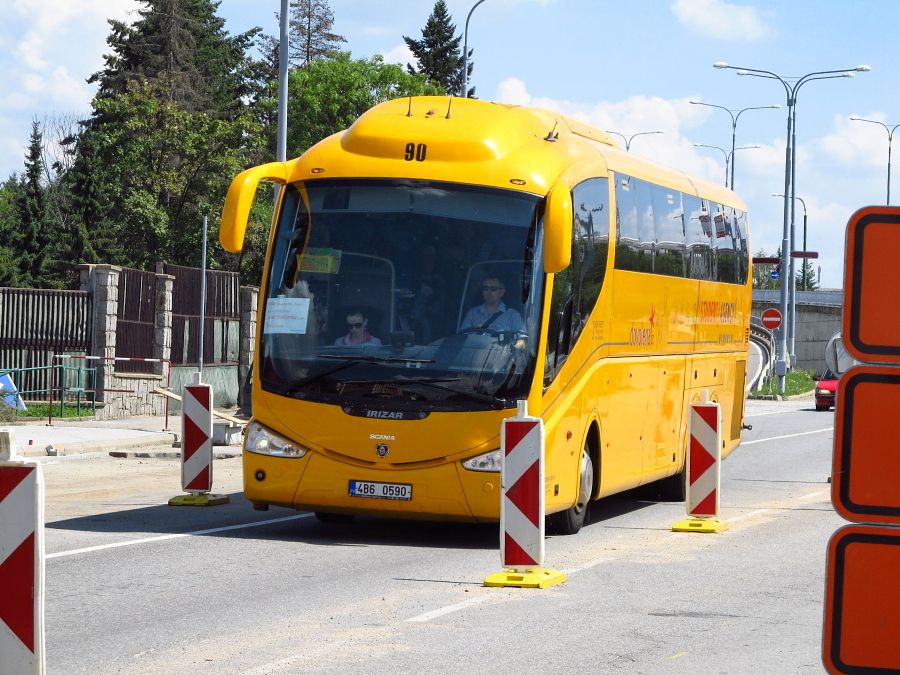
(646, 225)
(741, 246)
(668, 217)
(724, 243)
(590, 244)
(697, 238)
(628, 238)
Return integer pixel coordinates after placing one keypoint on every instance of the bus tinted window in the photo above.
(697, 238)
(628, 238)
(742, 246)
(724, 243)
(667, 215)
(591, 243)
(646, 225)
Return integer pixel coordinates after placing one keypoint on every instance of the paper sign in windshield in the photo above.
(286, 316)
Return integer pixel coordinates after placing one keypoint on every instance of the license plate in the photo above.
(375, 490)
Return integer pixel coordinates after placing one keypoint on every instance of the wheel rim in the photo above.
(586, 485)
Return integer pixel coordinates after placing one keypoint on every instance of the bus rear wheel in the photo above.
(571, 520)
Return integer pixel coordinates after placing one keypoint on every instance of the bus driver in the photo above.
(493, 315)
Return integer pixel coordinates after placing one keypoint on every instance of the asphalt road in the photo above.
(137, 586)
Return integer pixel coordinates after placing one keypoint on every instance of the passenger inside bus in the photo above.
(357, 331)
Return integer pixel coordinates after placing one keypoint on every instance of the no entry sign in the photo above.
(771, 318)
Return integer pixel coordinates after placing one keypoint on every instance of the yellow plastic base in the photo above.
(536, 577)
(198, 500)
(707, 525)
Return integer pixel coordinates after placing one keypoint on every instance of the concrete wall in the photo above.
(126, 394)
(817, 321)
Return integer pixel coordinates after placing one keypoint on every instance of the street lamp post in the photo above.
(890, 133)
(729, 156)
(465, 67)
(801, 200)
(735, 114)
(791, 90)
(628, 139)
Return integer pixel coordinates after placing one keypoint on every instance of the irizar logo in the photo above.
(384, 414)
(382, 437)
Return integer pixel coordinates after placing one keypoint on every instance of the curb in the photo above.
(169, 453)
(152, 440)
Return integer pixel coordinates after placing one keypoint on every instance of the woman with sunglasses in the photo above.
(357, 332)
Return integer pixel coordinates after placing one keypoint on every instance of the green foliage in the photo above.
(761, 273)
(806, 277)
(331, 94)
(796, 382)
(438, 53)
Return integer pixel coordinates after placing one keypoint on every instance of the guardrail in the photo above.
(72, 384)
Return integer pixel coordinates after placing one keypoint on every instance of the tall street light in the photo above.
(729, 156)
(735, 114)
(791, 90)
(803, 277)
(890, 133)
(465, 67)
(628, 139)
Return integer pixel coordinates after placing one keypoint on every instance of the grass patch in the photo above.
(38, 410)
(796, 382)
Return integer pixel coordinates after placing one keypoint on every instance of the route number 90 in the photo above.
(415, 152)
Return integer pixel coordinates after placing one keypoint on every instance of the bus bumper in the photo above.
(317, 482)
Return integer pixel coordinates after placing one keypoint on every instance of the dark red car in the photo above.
(825, 390)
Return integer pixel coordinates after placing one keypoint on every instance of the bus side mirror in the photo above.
(240, 198)
(558, 228)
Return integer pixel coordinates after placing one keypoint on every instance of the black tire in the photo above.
(672, 489)
(332, 518)
(820, 408)
(571, 520)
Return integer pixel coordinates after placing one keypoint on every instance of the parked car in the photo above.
(825, 390)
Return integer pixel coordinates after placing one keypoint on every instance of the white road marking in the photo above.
(758, 512)
(778, 438)
(164, 537)
(449, 609)
(815, 495)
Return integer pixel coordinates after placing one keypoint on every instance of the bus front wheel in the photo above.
(571, 520)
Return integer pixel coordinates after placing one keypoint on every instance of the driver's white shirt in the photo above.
(509, 319)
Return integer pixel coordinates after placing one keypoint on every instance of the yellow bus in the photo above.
(444, 258)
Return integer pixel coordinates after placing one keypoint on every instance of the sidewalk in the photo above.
(136, 436)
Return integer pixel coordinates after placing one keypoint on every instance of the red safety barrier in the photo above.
(196, 446)
(21, 562)
(704, 460)
(522, 505)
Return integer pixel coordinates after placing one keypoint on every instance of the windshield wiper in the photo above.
(347, 361)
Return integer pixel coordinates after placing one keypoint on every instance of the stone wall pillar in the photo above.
(162, 327)
(249, 301)
(103, 283)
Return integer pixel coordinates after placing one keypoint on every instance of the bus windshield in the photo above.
(415, 296)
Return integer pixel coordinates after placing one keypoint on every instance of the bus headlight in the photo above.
(489, 461)
(265, 442)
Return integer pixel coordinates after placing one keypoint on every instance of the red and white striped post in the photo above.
(704, 459)
(522, 504)
(197, 446)
(21, 561)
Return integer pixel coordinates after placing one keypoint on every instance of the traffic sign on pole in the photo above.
(871, 318)
(771, 318)
(862, 621)
(866, 437)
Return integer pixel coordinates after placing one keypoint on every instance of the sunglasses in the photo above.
(492, 288)
(355, 325)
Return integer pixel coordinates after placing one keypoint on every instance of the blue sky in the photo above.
(628, 67)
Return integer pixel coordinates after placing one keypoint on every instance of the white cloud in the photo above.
(721, 20)
(399, 54)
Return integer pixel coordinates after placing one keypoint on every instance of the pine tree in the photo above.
(310, 25)
(806, 277)
(438, 54)
(34, 248)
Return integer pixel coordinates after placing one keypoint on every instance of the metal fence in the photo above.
(135, 316)
(221, 332)
(35, 324)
